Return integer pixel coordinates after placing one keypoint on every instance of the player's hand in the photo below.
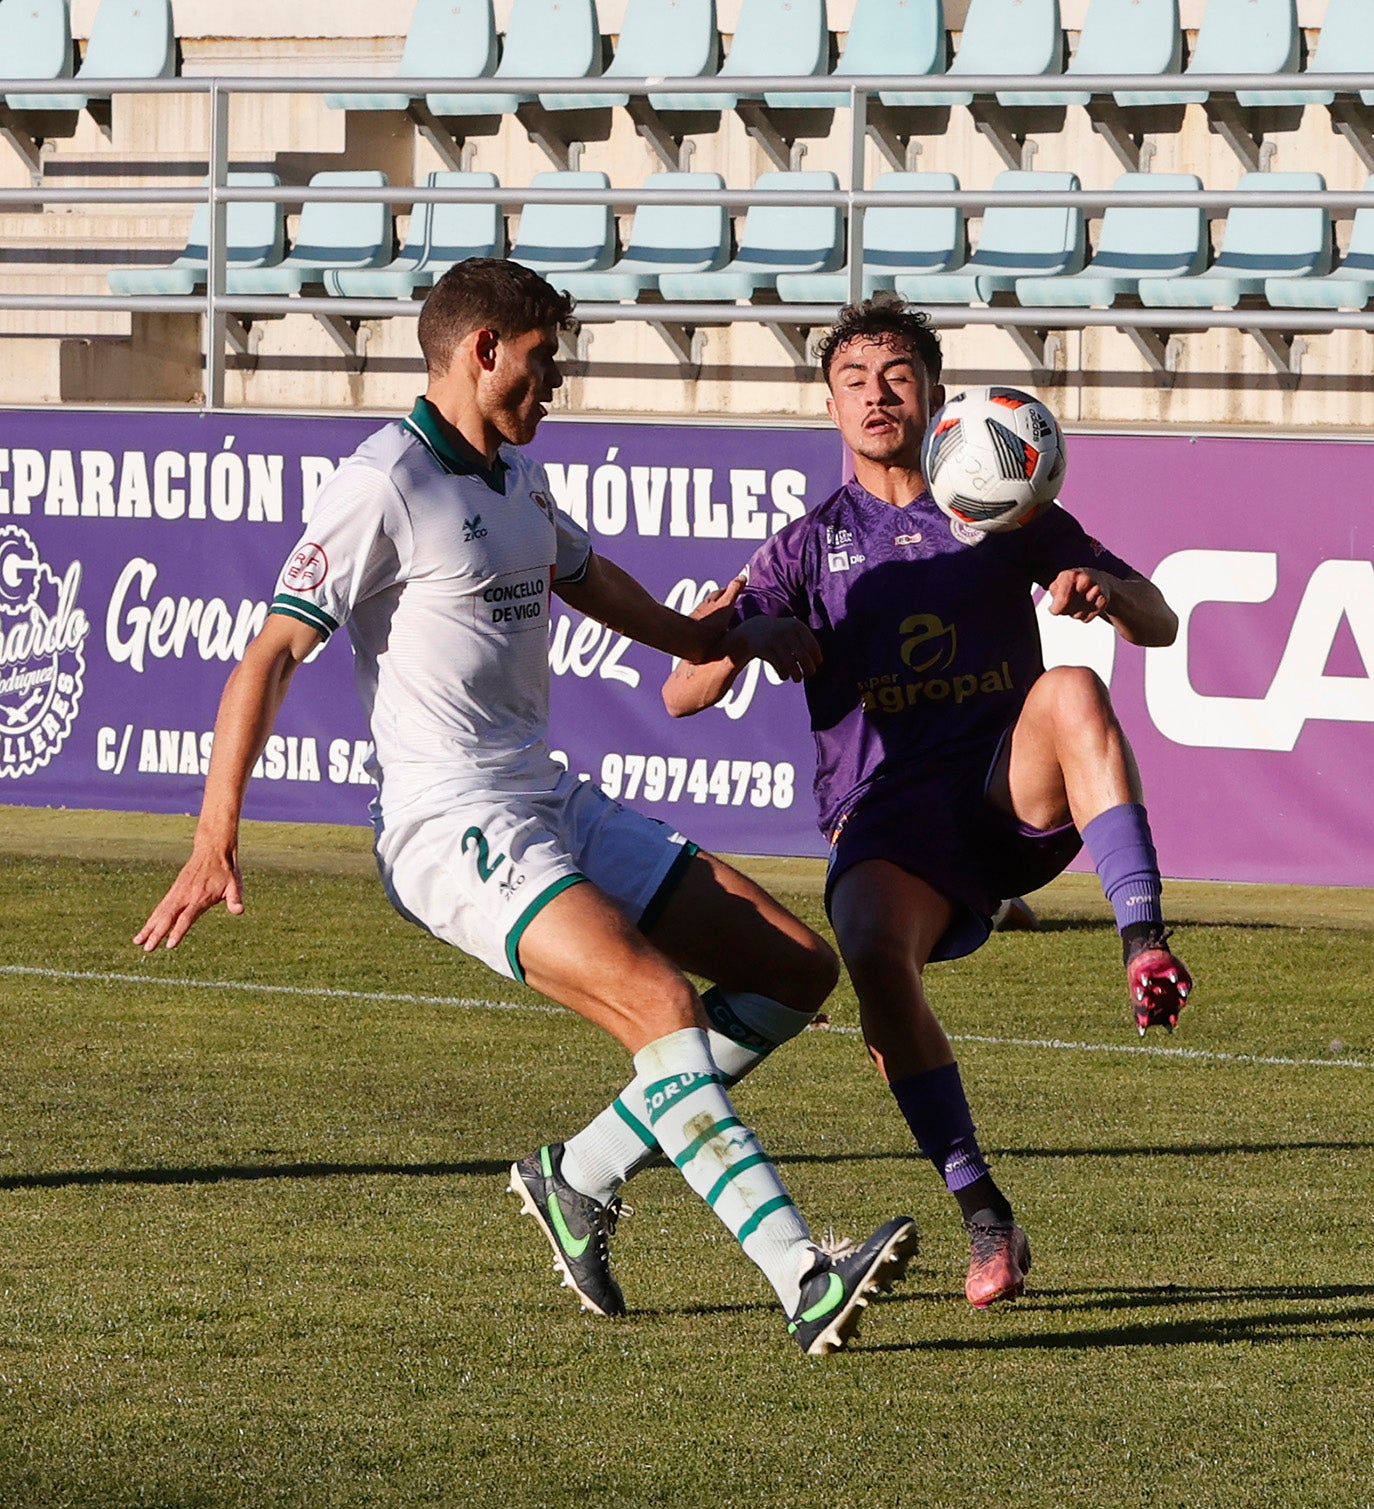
(785, 644)
(206, 879)
(1080, 593)
(714, 613)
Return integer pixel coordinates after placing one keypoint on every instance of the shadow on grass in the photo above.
(1104, 925)
(1176, 1150)
(481, 1168)
(1293, 1322)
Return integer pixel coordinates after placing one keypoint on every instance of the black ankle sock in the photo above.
(983, 1195)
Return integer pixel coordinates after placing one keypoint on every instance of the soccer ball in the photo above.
(993, 458)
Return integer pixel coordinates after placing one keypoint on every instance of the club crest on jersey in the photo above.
(966, 534)
(474, 529)
(547, 504)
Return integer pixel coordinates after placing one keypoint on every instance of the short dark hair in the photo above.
(487, 293)
(887, 319)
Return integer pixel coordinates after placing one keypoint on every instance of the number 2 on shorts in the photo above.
(484, 869)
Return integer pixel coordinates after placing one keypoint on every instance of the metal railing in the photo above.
(217, 306)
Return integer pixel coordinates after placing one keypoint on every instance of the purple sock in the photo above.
(1119, 842)
(937, 1112)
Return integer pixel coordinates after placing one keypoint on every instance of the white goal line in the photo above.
(1059, 1045)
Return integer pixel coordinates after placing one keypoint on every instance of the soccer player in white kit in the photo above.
(439, 549)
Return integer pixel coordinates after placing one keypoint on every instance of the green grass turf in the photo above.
(255, 1248)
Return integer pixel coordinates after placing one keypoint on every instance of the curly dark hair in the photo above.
(885, 318)
(487, 293)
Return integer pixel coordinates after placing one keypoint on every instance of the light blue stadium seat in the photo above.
(1242, 36)
(130, 39)
(453, 39)
(677, 40)
(544, 39)
(775, 239)
(896, 240)
(1126, 36)
(664, 238)
(252, 238)
(327, 236)
(36, 43)
(1345, 45)
(772, 37)
(1014, 242)
(1133, 244)
(1258, 244)
(1007, 36)
(439, 236)
(1350, 285)
(565, 238)
(892, 37)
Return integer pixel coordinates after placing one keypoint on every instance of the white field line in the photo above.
(480, 1003)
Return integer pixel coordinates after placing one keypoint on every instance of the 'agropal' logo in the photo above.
(42, 636)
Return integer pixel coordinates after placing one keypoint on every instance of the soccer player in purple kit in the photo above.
(953, 769)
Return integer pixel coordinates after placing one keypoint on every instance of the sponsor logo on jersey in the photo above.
(474, 529)
(42, 654)
(966, 534)
(836, 536)
(839, 560)
(508, 604)
(907, 539)
(306, 569)
(931, 644)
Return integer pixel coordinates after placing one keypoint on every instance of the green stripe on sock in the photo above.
(634, 1123)
(760, 1216)
(733, 1172)
(693, 1148)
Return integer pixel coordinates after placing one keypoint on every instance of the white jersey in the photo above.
(442, 571)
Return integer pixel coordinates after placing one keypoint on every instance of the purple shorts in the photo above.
(937, 823)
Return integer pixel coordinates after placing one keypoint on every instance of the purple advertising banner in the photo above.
(138, 552)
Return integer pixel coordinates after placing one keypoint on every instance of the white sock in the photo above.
(744, 1030)
(693, 1121)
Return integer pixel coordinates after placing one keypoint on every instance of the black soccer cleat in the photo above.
(835, 1293)
(579, 1228)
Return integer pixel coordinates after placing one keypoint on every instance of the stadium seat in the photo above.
(891, 37)
(775, 239)
(1345, 45)
(657, 41)
(1241, 36)
(1258, 243)
(36, 43)
(439, 236)
(564, 238)
(664, 238)
(1347, 286)
(329, 235)
(544, 39)
(897, 239)
(130, 39)
(1133, 244)
(253, 238)
(448, 39)
(772, 38)
(1006, 36)
(1015, 242)
(1125, 36)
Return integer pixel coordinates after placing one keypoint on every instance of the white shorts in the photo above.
(479, 873)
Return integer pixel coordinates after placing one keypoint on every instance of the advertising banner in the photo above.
(138, 552)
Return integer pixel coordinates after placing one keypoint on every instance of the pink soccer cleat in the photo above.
(999, 1260)
(1159, 984)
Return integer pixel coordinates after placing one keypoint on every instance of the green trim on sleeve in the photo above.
(306, 611)
(528, 915)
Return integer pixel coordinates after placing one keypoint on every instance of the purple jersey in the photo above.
(927, 629)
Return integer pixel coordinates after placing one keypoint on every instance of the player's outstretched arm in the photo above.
(613, 597)
(248, 709)
(785, 644)
(1133, 605)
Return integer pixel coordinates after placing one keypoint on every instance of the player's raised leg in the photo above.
(772, 975)
(581, 950)
(1069, 760)
(888, 922)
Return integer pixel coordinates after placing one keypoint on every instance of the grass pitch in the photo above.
(255, 1248)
